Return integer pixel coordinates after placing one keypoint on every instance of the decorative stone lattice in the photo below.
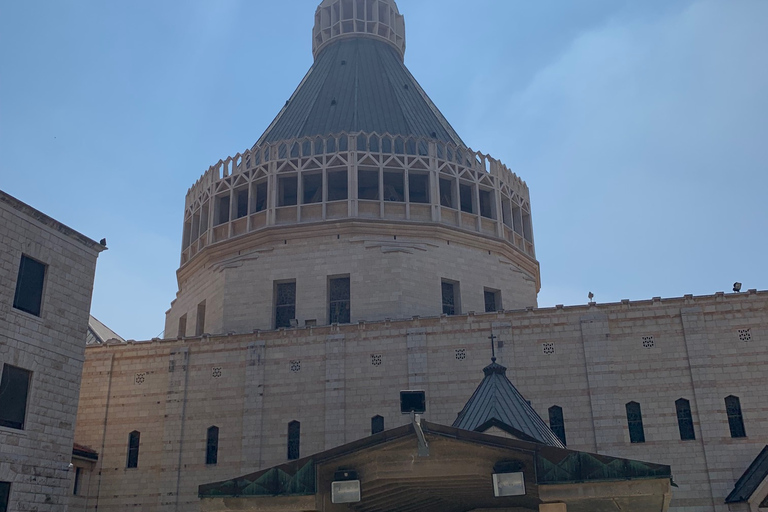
(461, 354)
(139, 378)
(745, 335)
(376, 359)
(648, 342)
(548, 348)
(216, 372)
(295, 366)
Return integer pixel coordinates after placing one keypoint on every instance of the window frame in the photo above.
(635, 422)
(496, 300)
(735, 417)
(377, 424)
(134, 446)
(339, 318)
(685, 420)
(212, 446)
(277, 306)
(294, 440)
(21, 282)
(557, 422)
(7, 371)
(5, 495)
(456, 297)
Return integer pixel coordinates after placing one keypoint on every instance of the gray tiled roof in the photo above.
(359, 84)
(99, 333)
(755, 474)
(496, 402)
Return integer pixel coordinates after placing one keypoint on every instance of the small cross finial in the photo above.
(493, 337)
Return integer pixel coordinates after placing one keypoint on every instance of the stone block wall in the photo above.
(589, 360)
(35, 459)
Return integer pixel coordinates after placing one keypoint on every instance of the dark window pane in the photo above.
(735, 418)
(635, 423)
(294, 440)
(313, 188)
(29, 286)
(418, 188)
(339, 300)
(486, 210)
(133, 450)
(449, 298)
(288, 191)
(337, 185)
(14, 387)
(685, 419)
(5, 494)
(556, 422)
(78, 481)
(490, 301)
(368, 185)
(465, 198)
(446, 193)
(223, 210)
(377, 424)
(394, 186)
(285, 304)
(242, 203)
(212, 446)
(200, 323)
(261, 197)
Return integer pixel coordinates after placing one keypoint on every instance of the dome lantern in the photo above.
(380, 19)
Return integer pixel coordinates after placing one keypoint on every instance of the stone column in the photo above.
(335, 396)
(173, 428)
(253, 400)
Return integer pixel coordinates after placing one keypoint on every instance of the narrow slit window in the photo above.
(394, 186)
(368, 185)
(294, 440)
(200, 321)
(446, 193)
(222, 210)
(29, 286)
(735, 418)
(285, 304)
(133, 450)
(313, 188)
(465, 198)
(5, 494)
(337, 186)
(339, 300)
(242, 203)
(212, 446)
(635, 423)
(14, 390)
(287, 191)
(684, 419)
(78, 481)
(377, 424)
(418, 188)
(260, 203)
(182, 326)
(450, 298)
(556, 422)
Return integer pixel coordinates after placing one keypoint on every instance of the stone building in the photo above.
(47, 271)
(359, 248)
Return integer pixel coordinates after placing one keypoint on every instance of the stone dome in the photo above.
(380, 19)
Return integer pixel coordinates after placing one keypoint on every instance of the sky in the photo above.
(640, 127)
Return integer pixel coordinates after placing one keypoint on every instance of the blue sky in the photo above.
(640, 127)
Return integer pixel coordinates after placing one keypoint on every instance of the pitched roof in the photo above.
(99, 333)
(755, 474)
(497, 402)
(359, 84)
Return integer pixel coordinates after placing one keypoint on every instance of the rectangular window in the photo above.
(14, 388)
(685, 420)
(486, 204)
(377, 424)
(368, 185)
(450, 292)
(735, 417)
(337, 185)
(635, 423)
(492, 300)
(182, 326)
(446, 193)
(287, 191)
(212, 446)
(556, 422)
(132, 460)
(418, 188)
(242, 202)
(339, 300)
(313, 188)
(200, 325)
(222, 210)
(78, 481)
(465, 198)
(260, 203)
(394, 186)
(5, 495)
(285, 304)
(29, 286)
(294, 440)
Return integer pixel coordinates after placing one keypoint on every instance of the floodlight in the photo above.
(737, 287)
(413, 402)
(346, 487)
(508, 484)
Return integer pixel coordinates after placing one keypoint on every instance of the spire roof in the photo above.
(497, 403)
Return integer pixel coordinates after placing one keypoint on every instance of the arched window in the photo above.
(684, 419)
(556, 422)
(635, 423)
(132, 461)
(294, 440)
(212, 446)
(377, 424)
(735, 419)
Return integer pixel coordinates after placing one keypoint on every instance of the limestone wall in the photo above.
(35, 459)
(590, 360)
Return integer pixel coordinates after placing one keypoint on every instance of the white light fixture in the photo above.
(346, 491)
(508, 484)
